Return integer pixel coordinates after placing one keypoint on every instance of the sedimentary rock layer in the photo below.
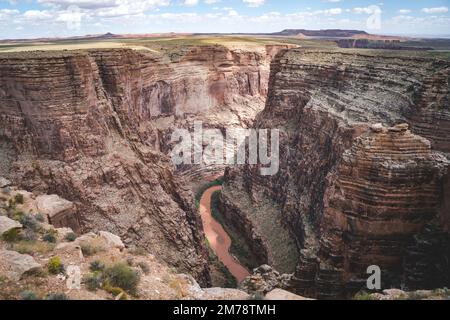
(354, 187)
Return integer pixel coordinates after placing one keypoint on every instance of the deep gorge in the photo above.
(364, 154)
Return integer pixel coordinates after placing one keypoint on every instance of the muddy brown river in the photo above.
(218, 239)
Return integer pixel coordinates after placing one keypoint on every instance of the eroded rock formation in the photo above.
(90, 126)
(356, 187)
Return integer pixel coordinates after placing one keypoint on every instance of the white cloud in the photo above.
(254, 3)
(404, 11)
(190, 3)
(333, 11)
(435, 10)
(37, 15)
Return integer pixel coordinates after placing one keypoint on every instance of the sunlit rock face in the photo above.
(363, 174)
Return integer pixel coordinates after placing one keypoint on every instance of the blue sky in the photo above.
(49, 18)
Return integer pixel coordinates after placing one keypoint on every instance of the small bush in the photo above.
(28, 295)
(57, 296)
(29, 235)
(363, 296)
(70, 237)
(33, 247)
(91, 248)
(122, 276)
(12, 236)
(19, 198)
(11, 204)
(49, 236)
(115, 291)
(29, 222)
(93, 281)
(40, 217)
(144, 267)
(97, 266)
(54, 266)
(16, 214)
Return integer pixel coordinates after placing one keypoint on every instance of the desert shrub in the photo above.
(49, 236)
(115, 291)
(33, 247)
(362, 296)
(93, 281)
(16, 214)
(57, 296)
(40, 217)
(144, 267)
(11, 204)
(54, 266)
(122, 276)
(70, 237)
(97, 266)
(19, 198)
(92, 247)
(12, 235)
(88, 250)
(29, 222)
(28, 295)
(29, 235)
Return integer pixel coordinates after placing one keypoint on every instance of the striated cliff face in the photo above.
(90, 125)
(363, 171)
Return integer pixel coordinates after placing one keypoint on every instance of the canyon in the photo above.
(364, 154)
(94, 127)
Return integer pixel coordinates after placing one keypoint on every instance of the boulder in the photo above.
(4, 183)
(69, 252)
(283, 295)
(14, 265)
(86, 238)
(53, 205)
(263, 280)
(7, 224)
(378, 127)
(112, 240)
(60, 212)
(224, 294)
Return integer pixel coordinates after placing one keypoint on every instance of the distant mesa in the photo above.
(332, 33)
(108, 35)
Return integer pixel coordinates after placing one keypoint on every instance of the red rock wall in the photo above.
(350, 196)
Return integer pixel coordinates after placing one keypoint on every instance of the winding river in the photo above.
(218, 239)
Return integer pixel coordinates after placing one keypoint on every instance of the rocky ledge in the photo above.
(39, 260)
